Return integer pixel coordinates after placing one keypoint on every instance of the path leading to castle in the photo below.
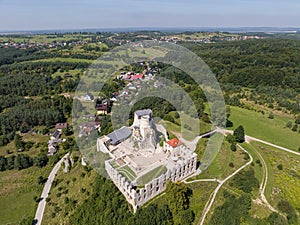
(42, 203)
(249, 138)
(262, 198)
(221, 182)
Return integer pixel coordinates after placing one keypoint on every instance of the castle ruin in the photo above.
(139, 166)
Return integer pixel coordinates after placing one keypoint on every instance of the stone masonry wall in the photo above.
(153, 188)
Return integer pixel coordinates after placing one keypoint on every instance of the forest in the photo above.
(112, 208)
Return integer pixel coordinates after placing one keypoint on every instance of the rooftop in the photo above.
(143, 112)
(119, 135)
(61, 125)
(174, 142)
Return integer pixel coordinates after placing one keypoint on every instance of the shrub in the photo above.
(271, 115)
(233, 147)
(289, 124)
(295, 128)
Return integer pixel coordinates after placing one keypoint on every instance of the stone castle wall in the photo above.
(139, 197)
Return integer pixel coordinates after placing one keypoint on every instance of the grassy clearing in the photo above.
(17, 190)
(57, 59)
(271, 130)
(39, 141)
(259, 211)
(127, 172)
(193, 123)
(71, 72)
(151, 175)
(10, 147)
(285, 183)
(19, 206)
(259, 172)
(71, 190)
(219, 168)
(201, 193)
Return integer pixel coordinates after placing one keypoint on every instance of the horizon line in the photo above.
(152, 28)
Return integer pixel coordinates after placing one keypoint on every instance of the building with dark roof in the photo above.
(119, 135)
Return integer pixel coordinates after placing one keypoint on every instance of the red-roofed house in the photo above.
(173, 146)
(137, 76)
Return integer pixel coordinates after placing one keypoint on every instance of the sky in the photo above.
(80, 14)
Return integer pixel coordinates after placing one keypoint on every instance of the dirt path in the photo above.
(212, 199)
(262, 198)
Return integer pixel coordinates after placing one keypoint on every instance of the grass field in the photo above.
(271, 130)
(71, 190)
(219, 168)
(39, 141)
(61, 60)
(17, 190)
(151, 175)
(43, 38)
(127, 172)
(285, 183)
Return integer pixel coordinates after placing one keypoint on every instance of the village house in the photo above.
(101, 109)
(60, 126)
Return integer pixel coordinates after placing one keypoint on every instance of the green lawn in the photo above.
(151, 175)
(285, 183)
(15, 207)
(127, 172)
(219, 168)
(17, 189)
(271, 130)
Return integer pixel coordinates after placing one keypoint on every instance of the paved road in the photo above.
(192, 144)
(212, 199)
(42, 204)
(249, 138)
(202, 180)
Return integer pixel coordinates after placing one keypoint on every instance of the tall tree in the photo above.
(239, 134)
(18, 142)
